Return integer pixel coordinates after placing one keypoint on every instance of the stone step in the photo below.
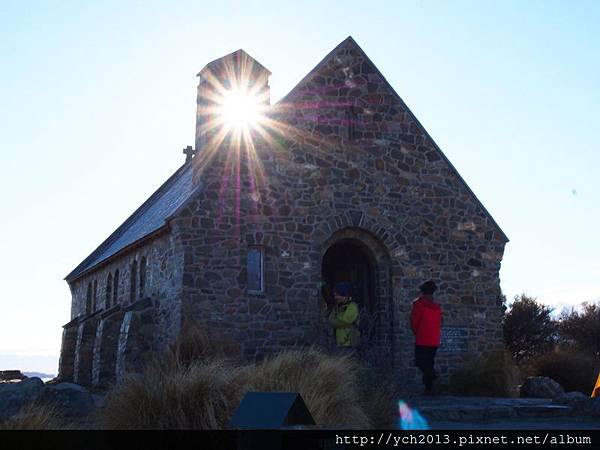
(466, 413)
(474, 409)
(543, 410)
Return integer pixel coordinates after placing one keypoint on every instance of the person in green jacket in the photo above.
(345, 317)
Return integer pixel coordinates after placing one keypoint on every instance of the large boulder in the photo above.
(541, 387)
(71, 400)
(15, 396)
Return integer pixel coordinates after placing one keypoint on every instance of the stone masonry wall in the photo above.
(163, 283)
(313, 179)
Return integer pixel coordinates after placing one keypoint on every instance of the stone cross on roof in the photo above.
(189, 152)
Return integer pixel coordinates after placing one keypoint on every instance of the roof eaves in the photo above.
(186, 202)
(127, 248)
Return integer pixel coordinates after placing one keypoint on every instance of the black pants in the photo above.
(424, 356)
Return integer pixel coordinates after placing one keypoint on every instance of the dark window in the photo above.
(116, 288)
(142, 276)
(255, 269)
(109, 281)
(95, 297)
(88, 299)
(133, 281)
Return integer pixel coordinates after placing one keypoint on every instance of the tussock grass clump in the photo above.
(202, 395)
(380, 399)
(194, 344)
(183, 391)
(326, 383)
(495, 375)
(35, 417)
(573, 369)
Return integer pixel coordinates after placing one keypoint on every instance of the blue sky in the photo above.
(98, 100)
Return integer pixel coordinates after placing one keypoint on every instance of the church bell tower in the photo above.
(238, 70)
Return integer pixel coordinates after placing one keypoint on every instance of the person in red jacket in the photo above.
(426, 323)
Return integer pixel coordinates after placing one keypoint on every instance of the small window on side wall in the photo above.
(133, 281)
(88, 299)
(255, 270)
(116, 288)
(95, 297)
(143, 265)
(109, 281)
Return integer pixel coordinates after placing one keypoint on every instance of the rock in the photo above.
(15, 396)
(71, 400)
(10, 375)
(541, 387)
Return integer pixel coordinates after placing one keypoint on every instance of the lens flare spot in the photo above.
(410, 419)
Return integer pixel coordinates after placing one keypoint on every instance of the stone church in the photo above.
(336, 181)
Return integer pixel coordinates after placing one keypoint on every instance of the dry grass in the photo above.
(379, 392)
(195, 344)
(495, 375)
(200, 396)
(35, 417)
(326, 383)
(381, 407)
(189, 393)
(573, 369)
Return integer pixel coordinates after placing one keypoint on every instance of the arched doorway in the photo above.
(350, 260)
(358, 256)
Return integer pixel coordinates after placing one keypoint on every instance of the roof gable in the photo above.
(297, 97)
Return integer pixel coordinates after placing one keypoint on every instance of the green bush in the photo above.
(528, 328)
(582, 327)
(573, 369)
(495, 375)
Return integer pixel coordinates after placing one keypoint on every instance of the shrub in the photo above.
(202, 395)
(582, 328)
(495, 375)
(326, 383)
(34, 417)
(574, 370)
(529, 329)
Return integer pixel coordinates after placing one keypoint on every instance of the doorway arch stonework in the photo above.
(382, 339)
